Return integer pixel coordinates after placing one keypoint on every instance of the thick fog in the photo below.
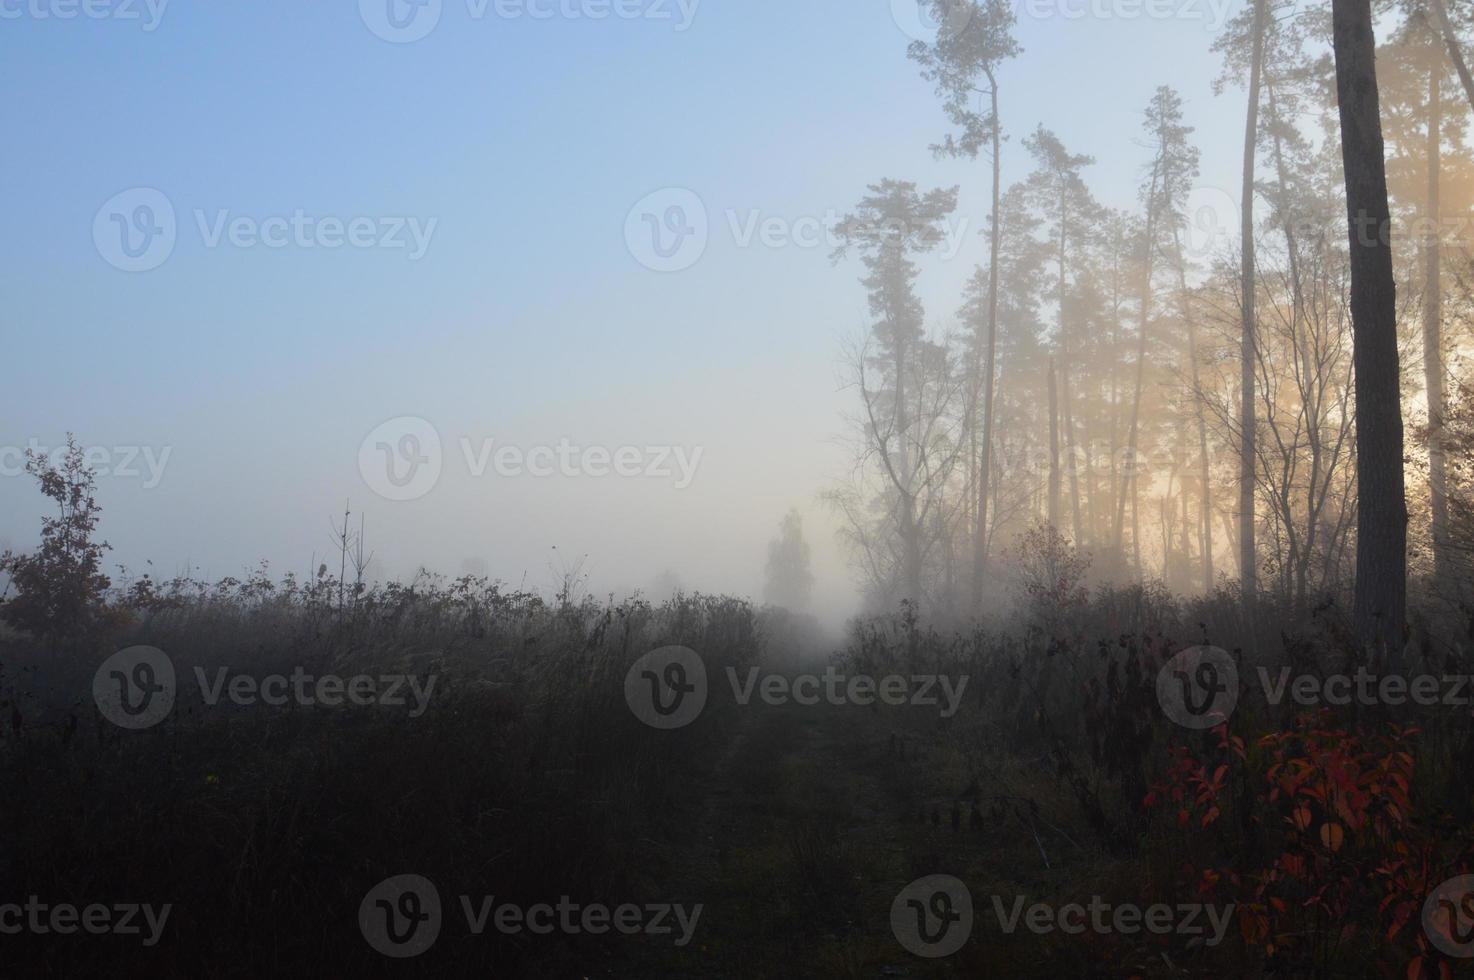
(458, 230)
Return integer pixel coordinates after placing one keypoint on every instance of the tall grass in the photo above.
(527, 777)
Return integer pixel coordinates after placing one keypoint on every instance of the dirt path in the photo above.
(809, 827)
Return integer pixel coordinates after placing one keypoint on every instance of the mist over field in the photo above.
(525, 312)
(697, 488)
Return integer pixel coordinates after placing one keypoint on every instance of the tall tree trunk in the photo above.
(980, 546)
(904, 479)
(1433, 336)
(1053, 450)
(1381, 526)
(1310, 386)
(1064, 381)
(1248, 343)
(1132, 465)
(1455, 53)
(971, 519)
(1108, 531)
(1205, 499)
(1138, 569)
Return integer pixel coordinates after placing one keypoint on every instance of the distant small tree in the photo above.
(1051, 575)
(60, 586)
(790, 583)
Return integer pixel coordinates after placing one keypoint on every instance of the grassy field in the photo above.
(778, 835)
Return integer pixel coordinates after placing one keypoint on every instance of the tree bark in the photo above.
(1381, 531)
(980, 546)
(1248, 344)
(1433, 337)
(1064, 381)
(1455, 53)
(1129, 477)
(1053, 450)
(1205, 499)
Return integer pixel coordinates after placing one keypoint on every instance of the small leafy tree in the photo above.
(1051, 572)
(60, 586)
(789, 581)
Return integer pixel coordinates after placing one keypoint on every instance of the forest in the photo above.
(1160, 532)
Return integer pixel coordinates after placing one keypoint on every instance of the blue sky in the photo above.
(526, 142)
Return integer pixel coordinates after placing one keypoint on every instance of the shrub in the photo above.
(60, 585)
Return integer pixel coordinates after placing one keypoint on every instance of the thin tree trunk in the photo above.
(980, 552)
(1053, 450)
(1146, 306)
(1311, 387)
(1433, 337)
(1064, 380)
(1139, 571)
(1248, 562)
(1455, 54)
(1381, 527)
(1205, 526)
(910, 533)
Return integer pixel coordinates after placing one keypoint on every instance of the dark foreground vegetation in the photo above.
(1060, 777)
